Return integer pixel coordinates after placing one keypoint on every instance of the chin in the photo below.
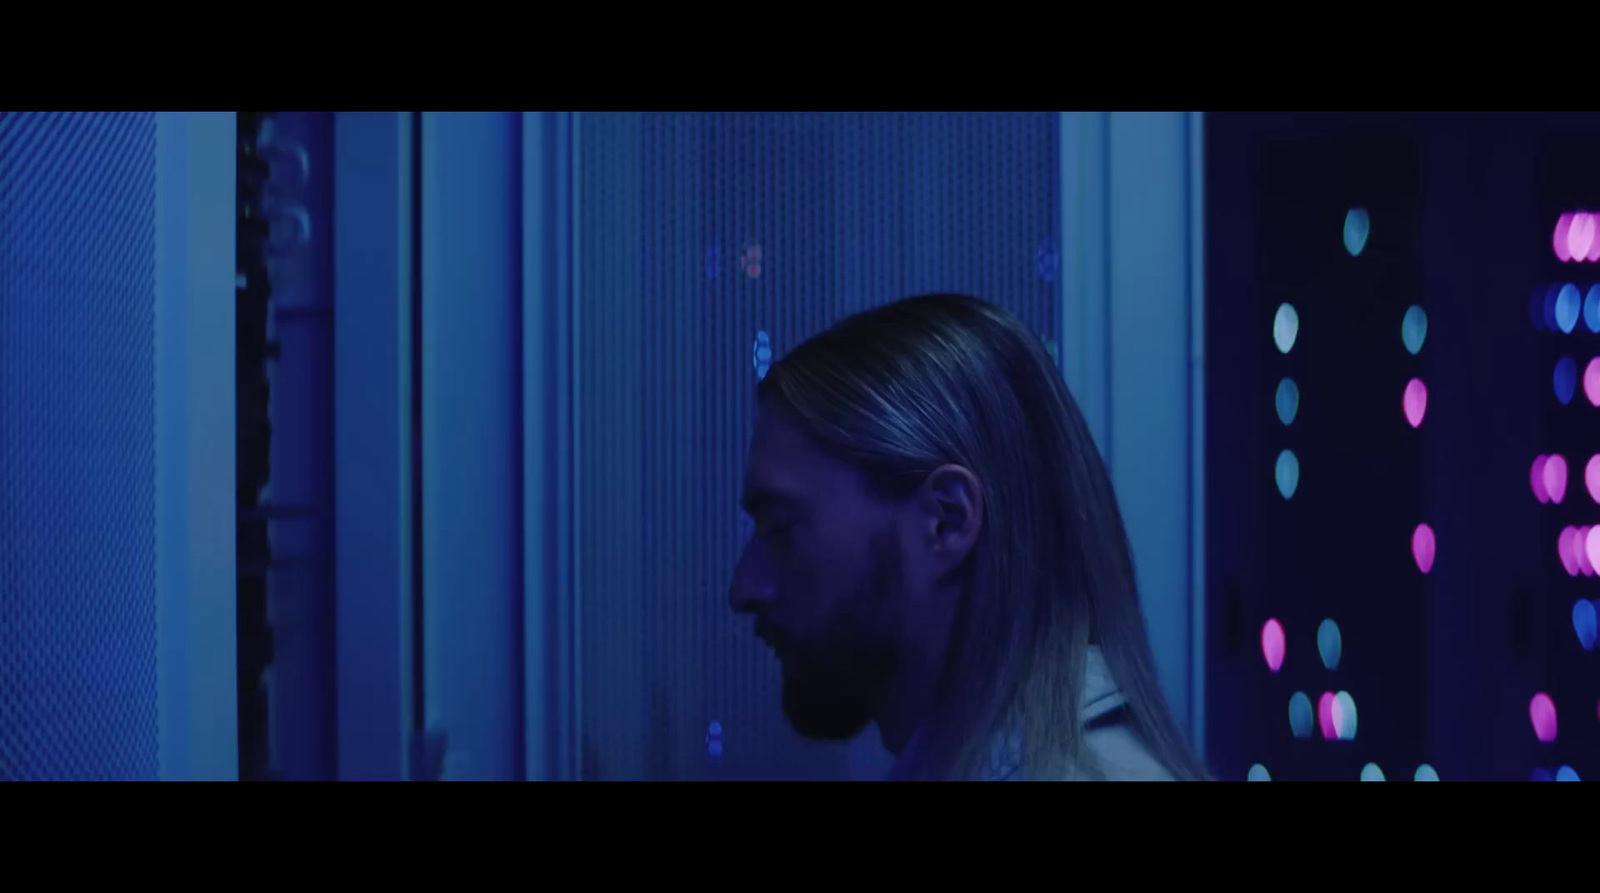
(825, 713)
(831, 734)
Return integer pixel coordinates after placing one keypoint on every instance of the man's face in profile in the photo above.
(824, 577)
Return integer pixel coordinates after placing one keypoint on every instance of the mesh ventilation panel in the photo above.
(77, 434)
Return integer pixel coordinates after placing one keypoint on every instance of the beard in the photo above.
(831, 688)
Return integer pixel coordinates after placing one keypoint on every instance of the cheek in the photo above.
(801, 579)
(809, 576)
(823, 574)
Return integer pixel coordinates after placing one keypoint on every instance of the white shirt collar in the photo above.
(1099, 697)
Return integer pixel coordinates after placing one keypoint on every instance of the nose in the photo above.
(754, 586)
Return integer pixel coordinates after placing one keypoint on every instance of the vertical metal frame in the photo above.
(195, 450)
(1133, 354)
(550, 643)
(373, 262)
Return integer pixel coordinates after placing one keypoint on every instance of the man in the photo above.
(938, 550)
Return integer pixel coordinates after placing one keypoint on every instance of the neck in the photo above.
(912, 696)
(902, 713)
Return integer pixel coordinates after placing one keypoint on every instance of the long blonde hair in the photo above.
(909, 386)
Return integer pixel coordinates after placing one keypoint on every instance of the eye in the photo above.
(775, 533)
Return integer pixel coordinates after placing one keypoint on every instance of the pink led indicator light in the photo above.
(1589, 546)
(1580, 552)
(1576, 237)
(1555, 478)
(1416, 402)
(1422, 547)
(1567, 546)
(1536, 480)
(1542, 711)
(1272, 644)
(1591, 381)
(1580, 236)
(1591, 478)
(1325, 707)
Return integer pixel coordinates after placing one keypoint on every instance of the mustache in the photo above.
(770, 634)
(863, 609)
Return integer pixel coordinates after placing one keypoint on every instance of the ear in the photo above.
(950, 504)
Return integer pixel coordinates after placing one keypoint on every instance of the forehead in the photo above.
(786, 464)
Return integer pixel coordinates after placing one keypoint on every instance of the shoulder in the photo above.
(1121, 756)
(1115, 753)
(1115, 748)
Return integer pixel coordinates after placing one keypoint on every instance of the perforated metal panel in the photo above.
(708, 245)
(77, 467)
